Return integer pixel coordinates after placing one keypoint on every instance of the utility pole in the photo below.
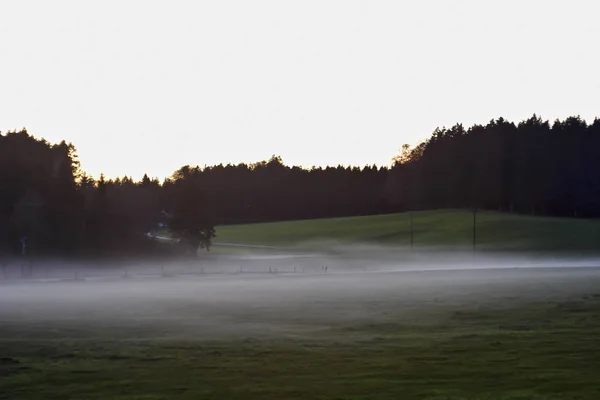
(474, 228)
(412, 240)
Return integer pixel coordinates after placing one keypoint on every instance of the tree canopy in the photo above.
(533, 167)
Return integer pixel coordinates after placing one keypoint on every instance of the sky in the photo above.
(149, 86)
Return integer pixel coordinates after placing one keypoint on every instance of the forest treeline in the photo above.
(532, 167)
(50, 206)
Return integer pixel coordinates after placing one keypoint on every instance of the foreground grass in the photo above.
(499, 348)
(443, 228)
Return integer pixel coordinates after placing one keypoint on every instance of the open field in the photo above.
(431, 229)
(336, 309)
(496, 333)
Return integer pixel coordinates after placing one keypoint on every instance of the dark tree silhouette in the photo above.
(191, 221)
(534, 167)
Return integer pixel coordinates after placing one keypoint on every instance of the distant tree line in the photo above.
(38, 195)
(272, 191)
(533, 167)
(51, 206)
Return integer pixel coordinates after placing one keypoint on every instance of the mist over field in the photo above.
(254, 293)
(308, 257)
(337, 320)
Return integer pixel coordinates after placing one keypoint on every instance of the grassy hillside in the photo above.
(441, 228)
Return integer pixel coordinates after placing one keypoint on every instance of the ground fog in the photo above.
(252, 294)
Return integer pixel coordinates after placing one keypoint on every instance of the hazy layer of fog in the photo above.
(336, 258)
(296, 294)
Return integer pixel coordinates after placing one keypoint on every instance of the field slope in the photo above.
(451, 229)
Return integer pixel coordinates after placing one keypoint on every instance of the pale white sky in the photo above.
(148, 86)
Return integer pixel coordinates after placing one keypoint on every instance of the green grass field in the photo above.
(503, 333)
(450, 229)
(476, 335)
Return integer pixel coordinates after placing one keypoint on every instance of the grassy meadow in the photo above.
(446, 229)
(516, 335)
(502, 333)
